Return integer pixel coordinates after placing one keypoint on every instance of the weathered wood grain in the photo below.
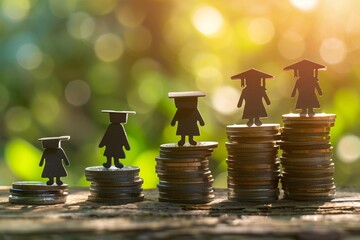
(150, 219)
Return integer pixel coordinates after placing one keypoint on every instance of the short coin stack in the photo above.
(307, 157)
(114, 185)
(37, 193)
(253, 167)
(184, 174)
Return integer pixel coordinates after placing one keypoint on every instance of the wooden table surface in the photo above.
(151, 219)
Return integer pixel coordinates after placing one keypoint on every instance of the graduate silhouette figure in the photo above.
(53, 158)
(115, 138)
(253, 94)
(306, 85)
(187, 115)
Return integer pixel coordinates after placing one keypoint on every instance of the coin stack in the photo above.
(184, 174)
(307, 157)
(37, 193)
(114, 185)
(253, 167)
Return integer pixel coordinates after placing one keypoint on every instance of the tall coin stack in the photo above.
(253, 167)
(37, 193)
(114, 185)
(307, 157)
(184, 173)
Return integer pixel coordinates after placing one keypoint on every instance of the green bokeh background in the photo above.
(62, 62)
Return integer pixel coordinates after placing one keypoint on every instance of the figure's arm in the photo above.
(104, 139)
(266, 98)
(294, 90)
(42, 159)
(175, 118)
(65, 158)
(241, 100)
(126, 143)
(317, 87)
(200, 119)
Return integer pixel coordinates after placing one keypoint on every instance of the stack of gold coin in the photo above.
(114, 185)
(253, 166)
(307, 157)
(184, 173)
(37, 193)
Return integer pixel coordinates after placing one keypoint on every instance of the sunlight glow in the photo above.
(207, 20)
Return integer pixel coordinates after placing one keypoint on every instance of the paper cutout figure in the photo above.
(306, 84)
(187, 115)
(253, 94)
(53, 157)
(115, 138)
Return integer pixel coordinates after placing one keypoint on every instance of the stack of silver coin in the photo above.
(253, 166)
(37, 193)
(307, 163)
(114, 185)
(184, 173)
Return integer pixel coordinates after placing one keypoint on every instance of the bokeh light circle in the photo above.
(109, 47)
(18, 119)
(348, 148)
(15, 10)
(291, 45)
(333, 50)
(261, 30)
(29, 56)
(305, 5)
(80, 25)
(77, 92)
(224, 100)
(207, 20)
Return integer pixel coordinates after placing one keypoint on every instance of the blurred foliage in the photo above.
(63, 61)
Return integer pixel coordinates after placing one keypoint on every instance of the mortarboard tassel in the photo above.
(243, 82)
(263, 82)
(296, 73)
(316, 74)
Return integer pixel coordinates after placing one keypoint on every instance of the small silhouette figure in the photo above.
(115, 138)
(306, 84)
(53, 157)
(253, 95)
(187, 115)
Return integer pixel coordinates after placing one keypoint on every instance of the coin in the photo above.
(37, 200)
(114, 185)
(115, 200)
(37, 193)
(36, 185)
(188, 147)
(196, 200)
(184, 174)
(252, 162)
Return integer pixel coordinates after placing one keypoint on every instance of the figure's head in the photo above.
(53, 142)
(186, 99)
(306, 69)
(252, 78)
(118, 116)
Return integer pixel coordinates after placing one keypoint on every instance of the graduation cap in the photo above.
(118, 116)
(53, 142)
(186, 99)
(305, 66)
(251, 75)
